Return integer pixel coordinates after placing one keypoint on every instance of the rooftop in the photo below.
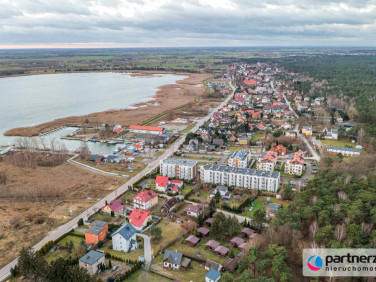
(137, 217)
(174, 257)
(213, 274)
(240, 155)
(126, 231)
(145, 196)
(151, 128)
(181, 162)
(92, 257)
(345, 149)
(245, 171)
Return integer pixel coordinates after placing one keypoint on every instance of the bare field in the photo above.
(35, 201)
(168, 97)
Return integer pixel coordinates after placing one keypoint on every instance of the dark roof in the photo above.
(272, 207)
(170, 203)
(94, 230)
(92, 257)
(213, 264)
(203, 230)
(209, 220)
(126, 231)
(212, 243)
(174, 257)
(192, 239)
(98, 223)
(231, 264)
(247, 231)
(237, 240)
(222, 250)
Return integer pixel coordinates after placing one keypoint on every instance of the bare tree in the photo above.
(340, 232)
(84, 152)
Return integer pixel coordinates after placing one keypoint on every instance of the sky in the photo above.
(186, 23)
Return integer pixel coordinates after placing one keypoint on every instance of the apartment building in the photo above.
(240, 177)
(178, 168)
(267, 161)
(294, 163)
(346, 151)
(240, 159)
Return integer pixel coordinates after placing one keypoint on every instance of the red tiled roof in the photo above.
(145, 196)
(192, 208)
(161, 180)
(176, 181)
(137, 217)
(141, 127)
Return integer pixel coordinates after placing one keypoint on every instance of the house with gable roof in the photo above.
(114, 206)
(124, 239)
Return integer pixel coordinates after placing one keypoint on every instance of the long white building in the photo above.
(178, 168)
(240, 177)
(239, 159)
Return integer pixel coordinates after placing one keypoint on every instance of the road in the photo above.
(55, 234)
(147, 248)
(313, 152)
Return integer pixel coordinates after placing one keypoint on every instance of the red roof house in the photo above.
(161, 183)
(139, 218)
(114, 206)
(145, 200)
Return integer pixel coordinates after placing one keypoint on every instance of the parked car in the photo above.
(115, 267)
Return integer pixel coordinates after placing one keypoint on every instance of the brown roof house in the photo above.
(246, 232)
(236, 241)
(208, 222)
(243, 247)
(175, 260)
(169, 205)
(212, 244)
(203, 232)
(193, 210)
(231, 264)
(221, 251)
(192, 240)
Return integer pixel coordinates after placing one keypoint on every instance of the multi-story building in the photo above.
(346, 151)
(240, 177)
(145, 200)
(307, 130)
(97, 232)
(240, 159)
(92, 261)
(294, 164)
(267, 161)
(179, 168)
(124, 239)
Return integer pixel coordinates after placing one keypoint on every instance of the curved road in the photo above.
(55, 234)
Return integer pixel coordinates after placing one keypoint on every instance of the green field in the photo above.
(340, 143)
(258, 204)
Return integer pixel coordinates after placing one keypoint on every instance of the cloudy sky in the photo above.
(153, 23)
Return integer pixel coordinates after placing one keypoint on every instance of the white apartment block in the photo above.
(240, 177)
(239, 159)
(295, 163)
(178, 168)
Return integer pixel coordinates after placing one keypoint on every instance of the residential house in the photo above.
(203, 231)
(145, 200)
(139, 218)
(246, 232)
(212, 244)
(243, 247)
(271, 209)
(193, 210)
(114, 207)
(261, 126)
(175, 260)
(239, 159)
(267, 161)
(231, 264)
(96, 158)
(218, 142)
(124, 239)
(221, 251)
(212, 276)
(286, 126)
(331, 134)
(161, 183)
(208, 222)
(295, 163)
(169, 205)
(243, 141)
(223, 191)
(97, 232)
(236, 241)
(291, 134)
(192, 145)
(346, 151)
(212, 265)
(92, 261)
(192, 240)
(279, 149)
(307, 130)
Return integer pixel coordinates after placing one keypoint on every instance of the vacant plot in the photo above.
(340, 143)
(35, 201)
(260, 203)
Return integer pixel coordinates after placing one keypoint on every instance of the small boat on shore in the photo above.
(112, 142)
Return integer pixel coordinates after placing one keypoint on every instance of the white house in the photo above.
(124, 239)
(239, 159)
(193, 210)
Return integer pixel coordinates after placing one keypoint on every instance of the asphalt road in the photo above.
(147, 248)
(55, 234)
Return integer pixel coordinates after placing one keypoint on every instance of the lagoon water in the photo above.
(31, 100)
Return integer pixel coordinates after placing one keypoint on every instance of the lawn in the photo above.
(234, 149)
(199, 252)
(234, 201)
(188, 128)
(203, 194)
(60, 253)
(258, 204)
(340, 143)
(186, 189)
(132, 255)
(257, 136)
(196, 272)
(170, 231)
(141, 276)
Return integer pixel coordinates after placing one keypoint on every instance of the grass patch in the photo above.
(257, 136)
(132, 255)
(339, 143)
(141, 276)
(259, 205)
(188, 128)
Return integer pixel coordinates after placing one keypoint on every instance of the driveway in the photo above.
(147, 248)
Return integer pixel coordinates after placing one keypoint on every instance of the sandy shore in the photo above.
(167, 97)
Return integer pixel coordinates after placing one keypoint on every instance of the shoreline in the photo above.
(166, 97)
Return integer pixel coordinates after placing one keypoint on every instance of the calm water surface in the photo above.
(31, 100)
